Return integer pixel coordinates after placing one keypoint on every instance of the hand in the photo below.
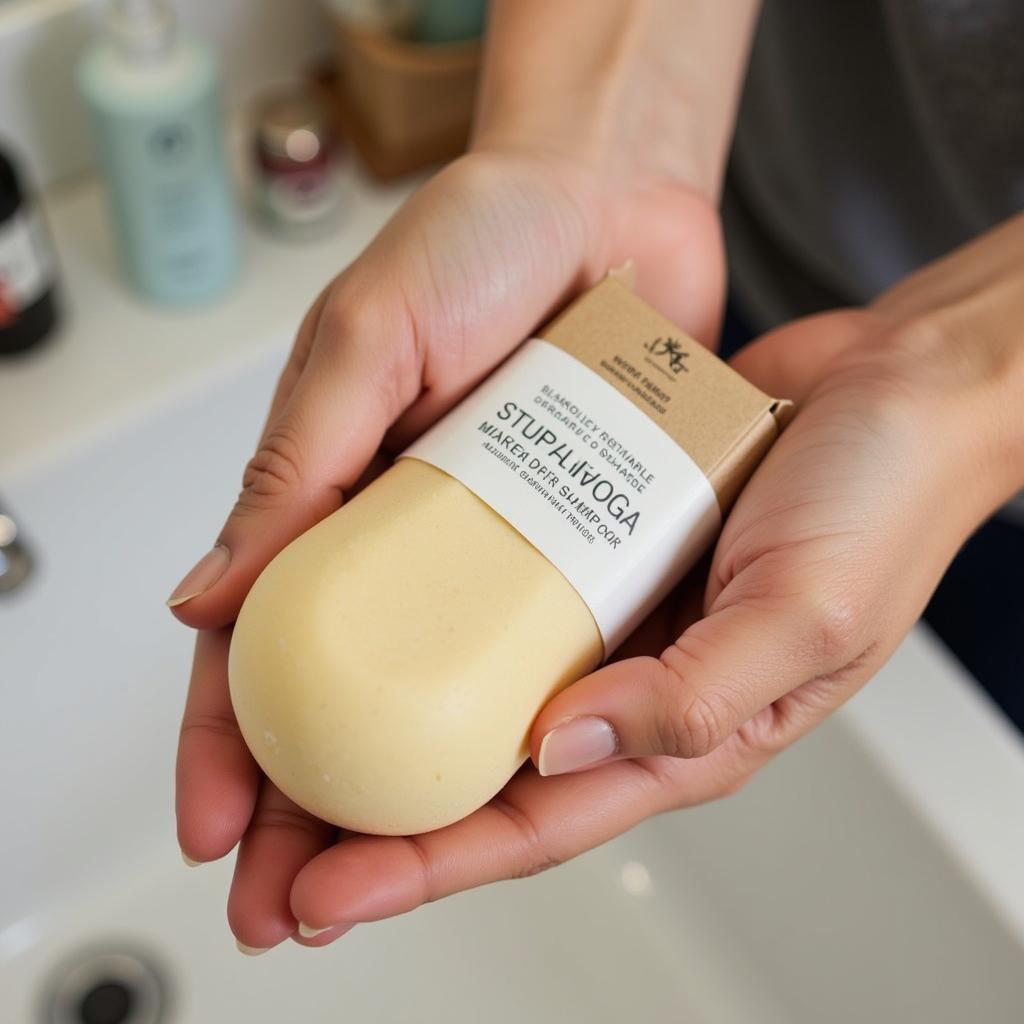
(480, 256)
(598, 139)
(903, 443)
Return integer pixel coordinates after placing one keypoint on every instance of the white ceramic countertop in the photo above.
(114, 352)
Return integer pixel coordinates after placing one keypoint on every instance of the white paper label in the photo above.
(24, 267)
(585, 476)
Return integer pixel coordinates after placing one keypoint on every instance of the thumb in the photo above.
(791, 360)
(718, 675)
(316, 445)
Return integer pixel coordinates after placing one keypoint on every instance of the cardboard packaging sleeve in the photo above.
(724, 423)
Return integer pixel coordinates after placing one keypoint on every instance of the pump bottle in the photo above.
(153, 98)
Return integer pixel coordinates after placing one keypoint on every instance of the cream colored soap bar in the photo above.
(386, 666)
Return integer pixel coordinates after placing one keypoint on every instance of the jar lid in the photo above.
(291, 124)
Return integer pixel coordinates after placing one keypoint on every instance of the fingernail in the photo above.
(578, 743)
(201, 576)
(305, 932)
(189, 861)
(250, 950)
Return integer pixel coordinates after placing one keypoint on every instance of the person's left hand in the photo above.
(896, 454)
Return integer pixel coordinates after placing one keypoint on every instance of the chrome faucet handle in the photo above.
(15, 560)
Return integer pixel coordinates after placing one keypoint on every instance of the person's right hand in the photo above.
(470, 265)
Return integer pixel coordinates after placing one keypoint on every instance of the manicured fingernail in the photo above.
(201, 576)
(189, 861)
(337, 930)
(578, 743)
(250, 950)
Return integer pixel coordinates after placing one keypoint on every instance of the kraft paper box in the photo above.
(724, 423)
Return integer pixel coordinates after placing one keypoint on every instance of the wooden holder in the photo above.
(403, 105)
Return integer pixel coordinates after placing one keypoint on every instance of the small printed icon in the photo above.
(170, 141)
(671, 349)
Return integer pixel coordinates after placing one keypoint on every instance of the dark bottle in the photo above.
(28, 311)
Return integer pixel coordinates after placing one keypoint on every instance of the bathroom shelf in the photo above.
(115, 352)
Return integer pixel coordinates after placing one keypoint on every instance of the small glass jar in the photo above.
(296, 184)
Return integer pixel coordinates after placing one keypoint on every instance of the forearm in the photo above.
(632, 86)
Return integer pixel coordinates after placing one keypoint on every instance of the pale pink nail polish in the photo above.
(578, 743)
(203, 575)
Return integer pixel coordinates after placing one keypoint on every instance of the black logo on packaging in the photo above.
(670, 352)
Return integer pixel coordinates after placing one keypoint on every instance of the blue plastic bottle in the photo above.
(153, 98)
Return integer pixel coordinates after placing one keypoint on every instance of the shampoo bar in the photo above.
(386, 667)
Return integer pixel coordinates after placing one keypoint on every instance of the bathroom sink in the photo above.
(872, 873)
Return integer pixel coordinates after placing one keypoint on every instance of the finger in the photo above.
(216, 775)
(280, 840)
(752, 649)
(316, 448)
(317, 937)
(297, 359)
(532, 825)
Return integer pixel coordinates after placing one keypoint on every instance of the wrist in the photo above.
(587, 142)
(635, 92)
(967, 388)
(978, 355)
(963, 335)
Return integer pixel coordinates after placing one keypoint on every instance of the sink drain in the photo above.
(106, 987)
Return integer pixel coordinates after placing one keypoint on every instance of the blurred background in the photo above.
(177, 182)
